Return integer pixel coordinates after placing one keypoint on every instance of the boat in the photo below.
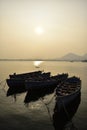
(40, 88)
(45, 82)
(25, 75)
(37, 81)
(18, 80)
(67, 92)
(63, 119)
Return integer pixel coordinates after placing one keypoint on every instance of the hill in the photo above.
(73, 57)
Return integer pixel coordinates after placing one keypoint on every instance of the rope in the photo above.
(3, 86)
(2, 82)
(48, 110)
(50, 100)
(46, 105)
(15, 98)
(52, 97)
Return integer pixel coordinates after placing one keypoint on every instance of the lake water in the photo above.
(15, 116)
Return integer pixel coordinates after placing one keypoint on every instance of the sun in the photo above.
(39, 30)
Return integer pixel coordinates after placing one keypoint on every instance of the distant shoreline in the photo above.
(43, 60)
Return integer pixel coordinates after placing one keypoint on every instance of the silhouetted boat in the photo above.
(25, 75)
(18, 80)
(40, 84)
(33, 78)
(39, 81)
(62, 119)
(45, 81)
(68, 91)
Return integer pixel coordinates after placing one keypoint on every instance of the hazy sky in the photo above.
(62, 28)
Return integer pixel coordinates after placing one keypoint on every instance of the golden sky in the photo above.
(42, 28)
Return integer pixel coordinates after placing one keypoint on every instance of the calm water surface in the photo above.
(14, 115)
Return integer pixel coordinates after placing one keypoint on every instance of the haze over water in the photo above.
(42, 28)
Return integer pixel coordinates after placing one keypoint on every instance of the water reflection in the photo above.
(15, 90)
(35, 95)
(62, 119)
(31, 95)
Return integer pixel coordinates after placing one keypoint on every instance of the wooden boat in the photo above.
(68, 91)
(62, 120)
(45, 82)
(25, 75)
(39, 81)
(40, 84)
(18, 80)
(32, 78)
(38, 89)
(41, 88)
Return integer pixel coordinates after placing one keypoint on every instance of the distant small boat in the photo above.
(68, 91)
(37, 66)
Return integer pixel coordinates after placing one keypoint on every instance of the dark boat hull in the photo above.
(61, 120)
(18, 80)
(25, 75)
(15, 83)
(36, 80)
(63, 101)
(40, 84)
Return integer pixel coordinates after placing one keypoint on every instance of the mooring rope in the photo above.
(48, 110)
(3, 85)
(51, 98)
(46, 105)
(2, 81)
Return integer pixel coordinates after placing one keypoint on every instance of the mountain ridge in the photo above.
(73, 57)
